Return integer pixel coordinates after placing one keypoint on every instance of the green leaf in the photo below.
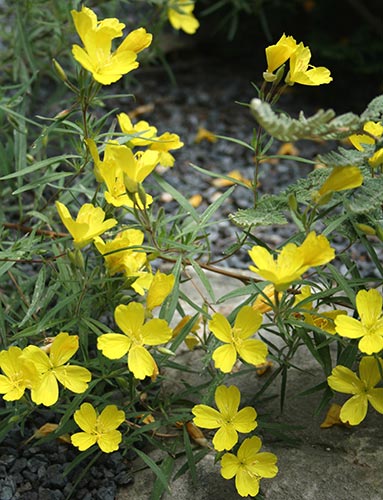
(36, 297)
(54, 160)
(268, 212)
(154, 467)
(159, 488)
(323, 125)
(204, 279)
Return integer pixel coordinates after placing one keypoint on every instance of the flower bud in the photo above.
(59, 70)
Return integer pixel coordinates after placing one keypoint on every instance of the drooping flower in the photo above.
(163, 144)
(237, 339)
(19, 374)
(123, 253)
(52, 368)
(180, 14)
(278, 54)
(369, 329)
(89, 223)
(263, 302)
(325, 320)
(249, 466)
(144, 132)
(227, 419)
(97, 57)
(292, 261)
(340, 179)
(98, 428)
(301, 71)
(131, 319)
(342, 379)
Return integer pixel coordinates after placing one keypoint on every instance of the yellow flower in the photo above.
(376, 159)
(340, 179)
(97, 56)
(19, 374)
(373, 128)
(292, 261)
(137, 333)
(89, 223)
(323, 320)
(53, 369)
(98, 428)
(227, 418)
(237, 339)
(261, 304)
(119, 255)
(342, 379)
(163, 144)
(249, 466)
(370, 326)
(144, 132)
(159, 289)
(278, 54)
(120, 167)
(180, 14)
(304, 73)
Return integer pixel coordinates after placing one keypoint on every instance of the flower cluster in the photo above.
(41, 369)
(248, 466)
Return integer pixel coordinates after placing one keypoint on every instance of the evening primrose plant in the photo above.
(95, 315)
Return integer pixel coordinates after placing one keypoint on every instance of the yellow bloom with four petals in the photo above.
(363, 389)
(52, 368)
(131, 319)
(97, 57)
(98, 428)
(144, 132)
(369, 329)
(88, 225)
(237, 339)
(249, 466)
(227, 418)
(292, 260)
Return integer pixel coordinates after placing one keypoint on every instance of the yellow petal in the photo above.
(83, 441)
(206, 417)
(225, 438)
(47, 391)
(74, 378)
(130, 318)
(220, 327)
(369, 306)
(227, 400)
(253, 351)
(109, 442)
(156, 331)
(224, 357)
(342, 379)
(355, 409)
(247, 322)
(244, 420)
(141, 362)
(86, 418)
(113, 345)
(63, 348)
(110, 418)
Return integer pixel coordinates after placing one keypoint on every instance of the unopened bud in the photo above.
(76, 258)
(142, 195)
(269, 77)
(59, 70)
(164, 350)
(366, 229)
(131, 185)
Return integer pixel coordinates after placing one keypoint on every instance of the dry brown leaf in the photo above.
(235, 174)
(263, 368)
(205, 135)
(332, 417)
(195, 200)
(196, 434)
(140, 110)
